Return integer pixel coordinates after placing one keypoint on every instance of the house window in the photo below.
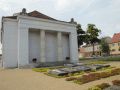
(113, 44)
(119, 44)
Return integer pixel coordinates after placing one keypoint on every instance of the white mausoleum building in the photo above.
(35, 37)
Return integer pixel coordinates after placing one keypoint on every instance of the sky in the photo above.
(105, 14)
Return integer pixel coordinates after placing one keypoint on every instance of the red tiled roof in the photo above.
(116, 38)
(35, 14)
(39, 15)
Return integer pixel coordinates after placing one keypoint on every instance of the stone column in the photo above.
(42, 46)
(73, 47)
(59, 43)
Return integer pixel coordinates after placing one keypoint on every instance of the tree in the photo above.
(92, 35)
(104, 46)
(80, 35)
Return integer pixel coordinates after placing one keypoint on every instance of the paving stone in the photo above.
(69, 65)
(79, 64)
(69, 70)
(95, 67)
(103, 65)
(58, 72)
(82, 68)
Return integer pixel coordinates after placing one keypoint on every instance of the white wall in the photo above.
(65, 46)
(23, 46)
(31, 22)
(34, 45)
(90, 48)
(73, 47)
(10, 43)
(51, 46)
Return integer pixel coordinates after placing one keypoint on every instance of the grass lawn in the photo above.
(109, 58)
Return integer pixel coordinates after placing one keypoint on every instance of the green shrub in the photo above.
(95, 76)
(97, 62)
(89, 77)
(103, 85)
(105, 74)
(115, 71)
(46, 69)
(95, 88)
(40, 69)
(112, 59)
(103, 59)
(116, 82)
(70, 78)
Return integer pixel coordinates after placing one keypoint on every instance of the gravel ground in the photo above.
(26, 79)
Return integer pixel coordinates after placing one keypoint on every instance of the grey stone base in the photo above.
(44, 64)
(50, 64)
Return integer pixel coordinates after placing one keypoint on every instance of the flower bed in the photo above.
(100, 86)
(46, 70)
(116, 82)
(95, 76)
(106, 86)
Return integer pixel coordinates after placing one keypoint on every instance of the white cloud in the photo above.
(104, 13)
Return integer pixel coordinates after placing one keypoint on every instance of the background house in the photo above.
(88, 49)
(115, 45)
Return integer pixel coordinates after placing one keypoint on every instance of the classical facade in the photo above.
(35, 37)
(87, 51)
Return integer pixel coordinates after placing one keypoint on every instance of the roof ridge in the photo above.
(38, 14)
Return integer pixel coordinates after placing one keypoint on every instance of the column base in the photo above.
(74, 61)
(51, 64)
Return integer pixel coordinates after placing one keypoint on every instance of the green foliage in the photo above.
(92, 35)
(95, 88)
(95, 76)
(104, 46)
(80, 35)
(40, 69)
(103, 85)
(110, 58)
(96, 62)
(76, 74)
(100, 86)
(93, 31)
(70, 78)
(79, 29)
(46, 69)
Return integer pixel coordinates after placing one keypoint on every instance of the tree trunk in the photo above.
(93, 49)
